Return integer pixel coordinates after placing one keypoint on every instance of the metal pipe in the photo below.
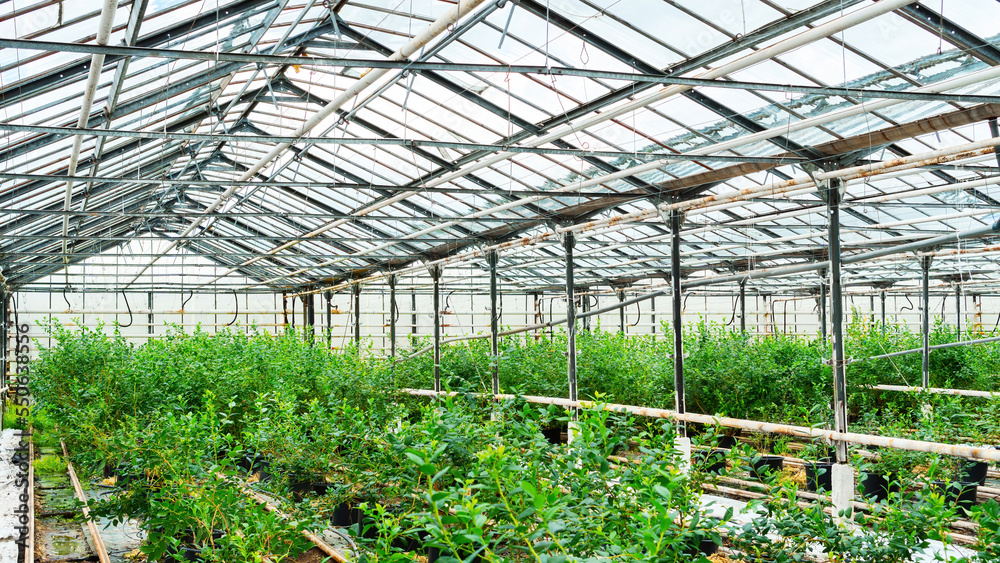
(934, 347)
(393, 310)
(357, 316)
(310, 321)
(968, 452)
(925, 319)
(882, 299)
(569, 240)
(938, 391)
(621, 311)
(740, 195)
(958, 310)
(328, 295)
(743, 306)
(435, 272)
(439, 26)
(491, 259)
(680, 405)
(822, 303)
(833, 195)
(813, 34)
(417, 66)
(104, 26)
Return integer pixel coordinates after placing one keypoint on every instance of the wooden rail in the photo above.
(99, 547)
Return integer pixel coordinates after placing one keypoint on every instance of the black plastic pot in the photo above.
(705, 547)
(434, 553)
(712, 461)
(300, 488)
(766, 465)
(727, 442)
(182, 553)
(959, 493)
(554, 435)
(341, 516)
(819, 476)
(973, 472)
(877, 487)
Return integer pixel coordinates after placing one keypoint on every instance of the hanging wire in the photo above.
(237, 315)
(130, 319)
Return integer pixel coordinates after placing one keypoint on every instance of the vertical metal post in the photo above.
(743, 306)
(392, 315)
(310, 326)
(491, 258)
(435, 272)
(680, 404)
(569, 240)
(621, 310)
(652, 315)
(537, 319)
(585, 303)
(925, 318)
(822, 304)
(958, 310)
(833, 199)
(3, 338)
(149, 315)
(357, 315)
(328, 295)
(413, 315)
(882, 298)
(284, 307)
(871, 307)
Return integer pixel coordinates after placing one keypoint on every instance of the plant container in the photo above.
(877, 486)
(434, 553)
(712, 461)
(766, 465)
(959, 493)
(727, 442)
(973, 472)
(819, 476)
(342, 515)
(554, 435)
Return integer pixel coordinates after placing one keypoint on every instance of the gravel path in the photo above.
(9, 493)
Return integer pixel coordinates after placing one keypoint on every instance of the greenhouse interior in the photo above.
(297, 281)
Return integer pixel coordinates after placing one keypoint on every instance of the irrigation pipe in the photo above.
(937, 391)
(935, 347)
(968, 452)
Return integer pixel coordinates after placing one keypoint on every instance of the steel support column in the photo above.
(676, 218)
(393, 313)
(492, 258)
(310, 324)
(833, 196)
(3, 338)
(328, 295)
(882, 299)
(822, 304)
(357, 315)
(925, 318)
(585, 304)
(413, 317)
(149, 319)
(743, 306)
(621, 310)
(958, 311)
(569, 240)
(435, 272)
